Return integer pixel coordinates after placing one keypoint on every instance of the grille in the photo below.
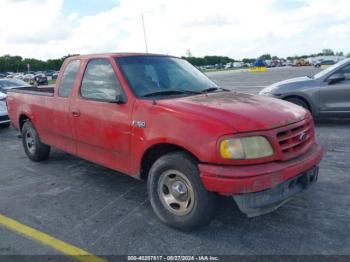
(4, 118)
(295, 139)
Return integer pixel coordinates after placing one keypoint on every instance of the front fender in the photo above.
(311, 99)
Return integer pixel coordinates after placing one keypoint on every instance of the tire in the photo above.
(298, 102)
(34, 148)
(7, 125)
(177, 194)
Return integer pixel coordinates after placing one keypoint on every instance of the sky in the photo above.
(47, 29)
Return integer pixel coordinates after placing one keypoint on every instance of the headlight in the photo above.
(245, 148)
(267, 90)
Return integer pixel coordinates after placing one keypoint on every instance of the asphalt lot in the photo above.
(107, 213)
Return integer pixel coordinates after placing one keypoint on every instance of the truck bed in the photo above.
(39, 91)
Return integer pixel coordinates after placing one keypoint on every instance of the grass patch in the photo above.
(52, 82)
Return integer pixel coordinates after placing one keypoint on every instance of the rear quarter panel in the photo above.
(35, 107)
(49, 116)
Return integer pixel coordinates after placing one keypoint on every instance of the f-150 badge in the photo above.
(140, 124)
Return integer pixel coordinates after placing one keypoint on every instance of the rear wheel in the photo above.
(34, 148)
(298, 102)
(177, 194)
(5, 125)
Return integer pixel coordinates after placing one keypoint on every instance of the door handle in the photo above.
(76, 113)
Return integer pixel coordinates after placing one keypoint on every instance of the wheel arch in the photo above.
(22, 119)
(302, 98)
(155, 151)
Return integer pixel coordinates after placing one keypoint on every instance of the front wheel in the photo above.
(177, 194)
(34, 148)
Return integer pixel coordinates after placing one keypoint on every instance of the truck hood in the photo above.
(242, 112)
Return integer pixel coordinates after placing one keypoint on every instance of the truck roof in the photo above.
(119, 54)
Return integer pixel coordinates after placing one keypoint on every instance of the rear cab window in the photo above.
(68, 77)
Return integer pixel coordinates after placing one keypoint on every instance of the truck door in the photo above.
(61, 132)
(335, 97)
(102, 126)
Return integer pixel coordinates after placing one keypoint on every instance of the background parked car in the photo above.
(300, 62)
(5, 85)
(55, 75)
(17, 76)
(326, 94)
(29, 78)
(4, 118)
(324, 63)
(49, 72)
(289, 63)
(40, 79)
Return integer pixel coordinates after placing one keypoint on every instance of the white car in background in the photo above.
(28, 77)
(18, 76)
(4, 118)
(5, 85)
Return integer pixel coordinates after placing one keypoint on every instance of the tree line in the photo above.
(208, 60)
(15, 64)
(10, 63)
(212, 60)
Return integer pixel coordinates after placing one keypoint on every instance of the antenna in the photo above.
(144, 32)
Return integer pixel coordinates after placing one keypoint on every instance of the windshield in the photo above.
(331, 68)
(162, 75)
(12, 83)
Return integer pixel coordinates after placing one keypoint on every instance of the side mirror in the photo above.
(119, 99)
(337, 77)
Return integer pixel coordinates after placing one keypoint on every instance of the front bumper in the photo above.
(260, 189)
(4, 119)
(229, 180)
(263, 202)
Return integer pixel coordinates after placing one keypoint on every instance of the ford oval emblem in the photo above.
(303, 137)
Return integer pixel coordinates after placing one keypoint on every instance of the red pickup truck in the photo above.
(159, 119)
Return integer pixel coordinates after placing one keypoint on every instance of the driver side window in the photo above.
(346, 71)
(100, 81)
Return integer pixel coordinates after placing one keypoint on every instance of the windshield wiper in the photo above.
(180, 92)
(170, 92)
(213, 89)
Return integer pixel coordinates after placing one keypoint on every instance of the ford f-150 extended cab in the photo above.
(158, 118)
